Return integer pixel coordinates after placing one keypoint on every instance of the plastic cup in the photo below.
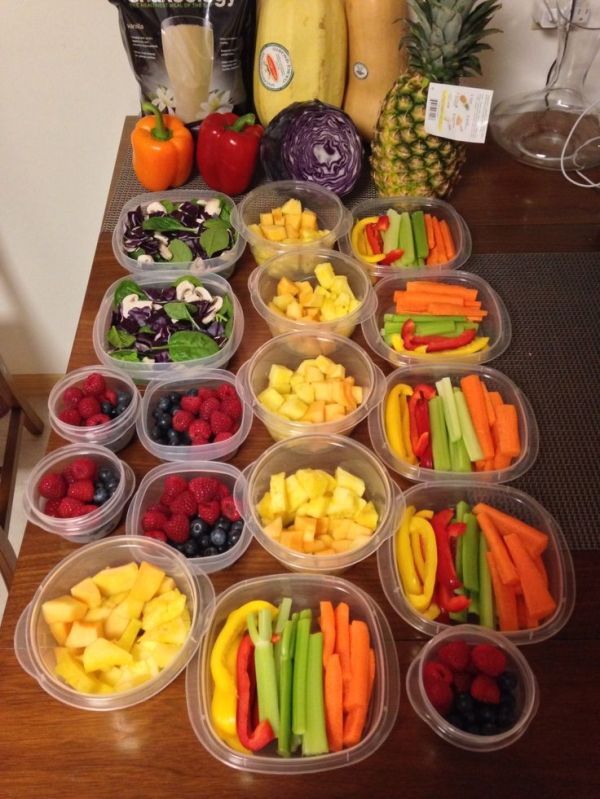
(557, 558)
(306, 591)
(34, 644)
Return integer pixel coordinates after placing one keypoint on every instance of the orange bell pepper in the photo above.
(163, 150)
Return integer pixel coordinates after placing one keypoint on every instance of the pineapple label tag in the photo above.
(458, 112)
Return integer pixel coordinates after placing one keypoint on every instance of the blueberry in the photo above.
(218, 537)
(505, 718)
(489, 728)
(106, 473)
(238, 525)
(191, 392)
(199, 528)
(120, 409)
(173, 438)
(106, 407)
(174, 409)
(164, 423)
(204, 541)
(233, 536)
(456, 720)
(156, 433)
(206, 553)
(184, 438)
(473, 728)
(465, 704)
(224, 523)
(164, 404)
(100, 494)
(486, 714)
(175, 397)
(123, 398)
(507, 681)
(111, 486)
(190, 548)
(180, 546)
(222, 549)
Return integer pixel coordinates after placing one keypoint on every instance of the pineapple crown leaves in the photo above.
(446, 36)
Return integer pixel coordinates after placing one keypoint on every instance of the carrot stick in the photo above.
(439, 239)
(357, 697)
(506, 568)
(489, 406)
(423, 299)
(430, 233)
(507, 430)
(501, 461)
(533, 539)
(541, 568)
(445, 309)
(342, 640)
(430, 287)
(495, 398)
(372, 673)
(334, 709)
(505, 600)
(484, 465)
(525, 620)
(447, 239)
(327, 624)
(538, 600)
(473, 391)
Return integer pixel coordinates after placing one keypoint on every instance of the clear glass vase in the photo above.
(534, 126)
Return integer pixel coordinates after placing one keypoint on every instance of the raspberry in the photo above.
(82, 469)
(85, 509)
(222, 490)
(190, 404)
(199, 428)
(88, 406)
(220, 422)
(111, 396)
(485, 689)
(70, 416)
(71, 397)
(52, 485)
(204, 488)
(181, 420)
(51, 507)
(158, 507)
(158, 534)
(434, 671)
(206, 393)
(222, 437)
(232, 406)
(229, 509)
(83, 490)
(69, 508)
(208, 407)
(462, 681)
(440, 695)
(225, 390)
(177, 528)
(184, 503)
(198, 441)
(174, 484)
(153, 520)
(209, 511)
(455, 655)
(97, 420)
(94, 385)
(488, 659)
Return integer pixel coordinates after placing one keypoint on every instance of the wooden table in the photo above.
(49, 750)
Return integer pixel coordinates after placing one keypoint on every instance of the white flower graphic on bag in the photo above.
(217, 103)
(164, 100)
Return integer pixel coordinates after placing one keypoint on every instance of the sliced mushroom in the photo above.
(156, 208)
(182, 288)
(161, 237)
(216, 306)
(165, 252)
(145, 259)
(213, 207)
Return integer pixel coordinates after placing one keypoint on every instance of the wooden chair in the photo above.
(20, 414)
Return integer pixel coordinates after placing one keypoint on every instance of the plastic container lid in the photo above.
(527, 696)
(34, 644)
(439, 208)
(143, 372)
(494, 381)
(114, 435)
(151, 488)
(557, 558)
(94, 525)
(204, 378)
(289, 350)
(223, 264)
(325, 452)
(299, 265)
(331, 215)
(306, 591)
(496, 325)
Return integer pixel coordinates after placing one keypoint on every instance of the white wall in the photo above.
(65, 87)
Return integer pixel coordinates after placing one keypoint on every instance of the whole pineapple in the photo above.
(442, 44)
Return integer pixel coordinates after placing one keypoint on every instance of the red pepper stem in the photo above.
(161, 131)
(242, 122)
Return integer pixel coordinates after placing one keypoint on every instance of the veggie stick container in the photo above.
(306, 591)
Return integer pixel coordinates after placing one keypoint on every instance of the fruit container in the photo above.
(525, 696)
(325, 452)
(306, 591)
(438, 208)
(223, 264)
(94, 525)
(299, 265)
(115, 434)
(141, 372)
(151, 489)
(332, 216)
(157, 390)
(494, 381)
(290, 350)
(556, 558)
(34, 644)
(495, 326)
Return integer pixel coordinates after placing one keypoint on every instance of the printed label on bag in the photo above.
(458, 112)
(275, 67)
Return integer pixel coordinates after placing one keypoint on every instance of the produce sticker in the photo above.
(458, 112)
(275, 67)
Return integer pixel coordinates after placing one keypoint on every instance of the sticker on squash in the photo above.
(275, 67)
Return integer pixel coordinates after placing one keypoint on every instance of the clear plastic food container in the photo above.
(290, 350)
(495, 326)
(223, 264)
(442, 210)
(556, 558)
(299, 265)
(306, 591)
(34, 644)
(525, 693)
(325, 452)
(151, 488)
(94, 525)
(114, 435)
(494, 381)
(332, 216)
(218, 450)
(142, 372)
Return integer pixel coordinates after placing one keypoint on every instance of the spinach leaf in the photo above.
(168, 205)
(187, 345)
(214, 237)
(190, 278)
(180, 251)
(126, 287)
(120, 339)
(125, 355)
(178, 311)
(225, 214)
(164, 223)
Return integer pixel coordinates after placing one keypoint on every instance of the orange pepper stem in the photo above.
(161, 131)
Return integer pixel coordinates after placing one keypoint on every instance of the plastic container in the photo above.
(94, 525)
(306, 591)
(143, 372)
(496, 325)
(325, 452)
(34, 644)
(290, 349)
(300, 265)
(204, 378)
(494, 381)
(331, 215)
(556, 558)
(223, 264)
(526, 692)
(151, 488)
(439, 208)
(114, 435)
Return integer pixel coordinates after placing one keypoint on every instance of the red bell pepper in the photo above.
(418, 425)
(383, 222)
(434, 343)
(391, 256)
(374, 238)
(446, 572)
(227, 151)
(252, 736)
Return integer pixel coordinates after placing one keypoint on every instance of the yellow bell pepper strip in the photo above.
(410, 455)
(393, 422)
(163, 150)
(432, 612)
(417, 550)
(358, 232)
(404, 556)
(476, 345)
(423, 528)
(425, 514)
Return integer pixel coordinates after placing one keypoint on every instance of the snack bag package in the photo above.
(190, 57)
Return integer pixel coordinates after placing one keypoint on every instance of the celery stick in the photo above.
(444, 387)
(471, 553)
(486, 599)
(461, 615)
(439, 327)
(473, 609)
(283, 614)
(299, 675)
(418, 225)
(391, 236)
(439, 436)
(466, 426)
(459, 458)
(462, 507)
(288, 638)
(264, 663)
(406, 241)
(392, 327)
(314, 741)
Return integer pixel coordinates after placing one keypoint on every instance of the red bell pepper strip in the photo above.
(419, 428)
(426, 390)
(383, 222)
(452, 603)
(374, 238)
(227, 151)
(441, 343)
(446, 572)
(391, 256)
(251, 736)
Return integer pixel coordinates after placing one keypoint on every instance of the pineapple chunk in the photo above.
(277, 491)
(168, 584)
(292, 206)
(103, 654)
(147, 582)
(309, 220)
(345, 479)
(274, 528)
(343, 503)
(273, 232)
(266, 219)
(74, 674)
(293, 408)
(83, 633)
(117, 579)
(87, 591)
(60, 631)
(281, 302)
(292, 230)
(129, 635)
(265, 509)
(314, 481)
(286, 286)
(271, 399)
(64, 608)
(171, 632)
(278, 216)
(367, 516)
(163, 608)
(316, 507)
(325, 274)
(315, 413)
(294, 310)
(279, 378)
(325, 364)
(296, 495)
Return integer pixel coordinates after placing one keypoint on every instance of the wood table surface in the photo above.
(49, 750)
